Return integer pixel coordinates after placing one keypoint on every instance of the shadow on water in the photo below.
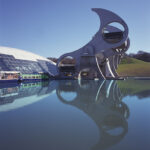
(99, 100)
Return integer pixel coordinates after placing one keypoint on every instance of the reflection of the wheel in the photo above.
(66, 87)
(102, 102)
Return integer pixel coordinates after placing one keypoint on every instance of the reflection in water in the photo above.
(25, 94)
(99, 100)
(102, 102)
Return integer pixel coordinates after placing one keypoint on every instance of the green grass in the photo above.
(133, 67)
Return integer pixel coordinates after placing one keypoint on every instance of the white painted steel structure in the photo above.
(103, 53)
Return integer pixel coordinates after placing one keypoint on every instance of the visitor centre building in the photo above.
(16, 63)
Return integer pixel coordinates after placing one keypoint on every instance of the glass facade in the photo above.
(9, 63)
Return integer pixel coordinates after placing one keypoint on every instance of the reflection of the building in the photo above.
(102, 102)
(15, 96)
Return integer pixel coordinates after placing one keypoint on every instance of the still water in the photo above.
(75, 115)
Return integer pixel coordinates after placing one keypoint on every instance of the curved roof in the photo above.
(21, 54)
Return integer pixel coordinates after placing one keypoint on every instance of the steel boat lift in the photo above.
(100, 57)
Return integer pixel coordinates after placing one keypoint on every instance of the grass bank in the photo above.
(130, 67)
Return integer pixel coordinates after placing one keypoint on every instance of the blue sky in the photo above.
(53, 27)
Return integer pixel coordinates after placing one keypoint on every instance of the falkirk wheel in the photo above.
(100, 57)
